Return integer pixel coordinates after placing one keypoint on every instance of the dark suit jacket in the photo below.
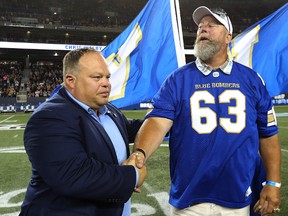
(74, 165)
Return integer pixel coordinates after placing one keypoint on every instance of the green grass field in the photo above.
(15, 169)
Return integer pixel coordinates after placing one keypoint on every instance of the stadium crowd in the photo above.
(10, 78)
(40, 82)
(58, 15)
(114, 14)
(43, 78)
(73, 12)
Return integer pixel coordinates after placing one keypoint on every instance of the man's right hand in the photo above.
(137, 161)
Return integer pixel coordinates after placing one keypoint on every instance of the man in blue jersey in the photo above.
(220, 115)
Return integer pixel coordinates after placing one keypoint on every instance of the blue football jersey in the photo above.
(214, 141)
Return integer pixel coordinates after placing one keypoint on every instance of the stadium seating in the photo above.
(95, 22)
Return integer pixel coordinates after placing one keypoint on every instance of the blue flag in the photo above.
(264, 48)
(144, 54)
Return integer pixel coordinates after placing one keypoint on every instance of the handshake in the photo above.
(137, 159)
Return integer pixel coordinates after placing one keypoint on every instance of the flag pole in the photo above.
(178, 15)
(177, 32)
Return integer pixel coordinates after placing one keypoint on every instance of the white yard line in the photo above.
(7, 119)
(281, 114)
(11, 214)
(161, 197)
(14, 149)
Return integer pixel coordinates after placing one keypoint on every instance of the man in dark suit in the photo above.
(77, 144)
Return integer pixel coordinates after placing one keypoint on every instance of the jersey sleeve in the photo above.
(164, 102)
(266, 118)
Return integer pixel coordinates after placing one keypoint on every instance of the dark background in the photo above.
(98, 22)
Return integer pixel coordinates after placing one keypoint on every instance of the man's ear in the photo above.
(229, 38)
(70, 80)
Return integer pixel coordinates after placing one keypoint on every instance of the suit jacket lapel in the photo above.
(105, 137)
(115, 118)
(100, 128)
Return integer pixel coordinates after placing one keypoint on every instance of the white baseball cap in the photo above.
(221, 16)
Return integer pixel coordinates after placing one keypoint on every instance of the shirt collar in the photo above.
(102, 111)
(206, 69)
